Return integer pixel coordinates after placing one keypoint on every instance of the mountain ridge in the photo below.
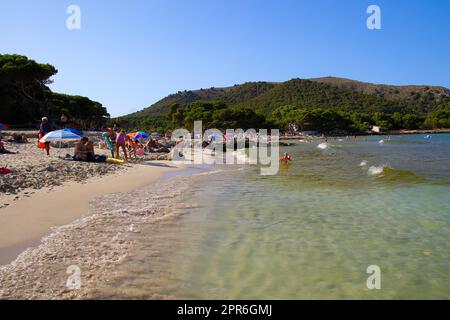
(247, 93)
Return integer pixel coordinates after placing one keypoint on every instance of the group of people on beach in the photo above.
(84, 151)
(116, 140)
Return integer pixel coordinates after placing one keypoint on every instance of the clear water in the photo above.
(308, 233)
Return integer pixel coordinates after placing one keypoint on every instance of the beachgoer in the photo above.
(80, 152)
(121, 143)
(45, 128)
(116, 127)
(108, 141)
(153, 145)
(139, 148)
(63, 120)
(134, 146)
(84, 151)
(90, 154)
(286, 158)
(18, 138)
(3, 150)
(112, 135)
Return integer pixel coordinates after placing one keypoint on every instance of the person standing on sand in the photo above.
(110, 139)
(120, 142)
(45, 128)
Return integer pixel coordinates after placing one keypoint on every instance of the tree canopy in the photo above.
(25, 96)
(342, 105)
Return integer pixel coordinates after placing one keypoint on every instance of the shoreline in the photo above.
(425, 131)
(26, 221)
(387, 133)
(96, 243)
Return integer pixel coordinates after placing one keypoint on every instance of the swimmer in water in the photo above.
(285, 158)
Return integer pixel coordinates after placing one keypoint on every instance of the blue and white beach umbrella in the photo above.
(76, 131)
(60, 135)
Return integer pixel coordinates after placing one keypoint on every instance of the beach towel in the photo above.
(4, 171)
(114, 161)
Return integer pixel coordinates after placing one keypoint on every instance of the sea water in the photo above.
(309, 232)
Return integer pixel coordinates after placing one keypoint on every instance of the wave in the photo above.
(323, 146)
(375, 170)
(402, 141)
(389, 174)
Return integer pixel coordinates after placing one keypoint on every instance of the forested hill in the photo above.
(229, 95)
(334, 93)
(409, 93)
(25, 97)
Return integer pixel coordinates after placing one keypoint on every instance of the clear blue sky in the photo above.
(129, 54)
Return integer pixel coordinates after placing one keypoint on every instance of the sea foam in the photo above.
(375, 170)
(323, 146)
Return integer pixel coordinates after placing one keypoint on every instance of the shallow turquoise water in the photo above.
(309, 232)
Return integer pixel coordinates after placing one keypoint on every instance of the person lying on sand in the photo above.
(18, 138)
(3, 150)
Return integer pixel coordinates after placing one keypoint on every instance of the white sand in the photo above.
(44, 192)
(95, 243)
(26, 221)
(32, 170)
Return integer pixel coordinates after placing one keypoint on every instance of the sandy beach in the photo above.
(32, 170)
(45, 195)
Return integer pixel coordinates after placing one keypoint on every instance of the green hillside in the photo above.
(422, 94)
(375, 103)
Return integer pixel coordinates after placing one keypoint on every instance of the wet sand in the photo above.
(97, 242)
(25, 222)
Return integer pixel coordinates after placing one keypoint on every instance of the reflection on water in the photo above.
(308, 233)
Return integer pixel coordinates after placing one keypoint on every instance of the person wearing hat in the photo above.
(45, 128)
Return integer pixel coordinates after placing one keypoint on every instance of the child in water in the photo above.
(285, 158)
